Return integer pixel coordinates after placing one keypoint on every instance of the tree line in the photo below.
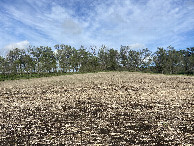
(68, 59)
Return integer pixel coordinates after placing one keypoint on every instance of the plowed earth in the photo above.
(115, 108)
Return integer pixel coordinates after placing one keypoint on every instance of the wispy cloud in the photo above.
(138, 23)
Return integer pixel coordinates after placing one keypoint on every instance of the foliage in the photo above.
(43, 61)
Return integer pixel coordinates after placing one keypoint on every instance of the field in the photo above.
(112, 108)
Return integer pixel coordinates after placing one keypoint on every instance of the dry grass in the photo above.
(115, 108)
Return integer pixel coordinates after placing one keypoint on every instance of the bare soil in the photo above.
(114, 108)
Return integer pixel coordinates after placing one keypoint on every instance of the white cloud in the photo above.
(112, 22)
(136, 46)
(71, 27)
(158, 22)
(20, 45)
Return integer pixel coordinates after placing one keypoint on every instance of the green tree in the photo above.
(36, 53)
(113, 59)
(134, 60)
(75, 60)
(44, 59)
(28, 63)
(124, 56)
(14, 58)
(2, 64)
(171, 60)
(64, 56)
(159, 60)
(83, 59)
(48, 59)
(188, 60)
(103, 57)
(191, 59)
(145, 59)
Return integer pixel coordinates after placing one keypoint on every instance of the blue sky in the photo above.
(135, 23)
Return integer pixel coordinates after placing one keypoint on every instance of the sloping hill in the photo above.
(116, 108)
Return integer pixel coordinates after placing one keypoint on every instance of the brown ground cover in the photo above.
(114, 108)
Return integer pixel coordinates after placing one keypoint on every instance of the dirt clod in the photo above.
(115, 108)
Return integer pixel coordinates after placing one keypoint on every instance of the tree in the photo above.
(83, 59)
(36, 53)
(14, 58)
(171, 60)
(145, 59)
(133, 60)
(48, 59)
(191, 59)
(188, 60)
(44, 59)
(103, 57)
(113, 59)
(28, 63)
(75, 60)
(124, 56)
(64, 56)
(2, 64)
(159, 60)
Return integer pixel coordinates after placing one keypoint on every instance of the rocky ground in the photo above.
(115, 108)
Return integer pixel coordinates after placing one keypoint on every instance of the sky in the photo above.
(135, 23)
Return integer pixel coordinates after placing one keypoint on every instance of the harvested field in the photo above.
(114, 108)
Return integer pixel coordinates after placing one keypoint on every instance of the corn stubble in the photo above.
(115, 108)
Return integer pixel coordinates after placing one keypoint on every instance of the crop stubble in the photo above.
(114, 108)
